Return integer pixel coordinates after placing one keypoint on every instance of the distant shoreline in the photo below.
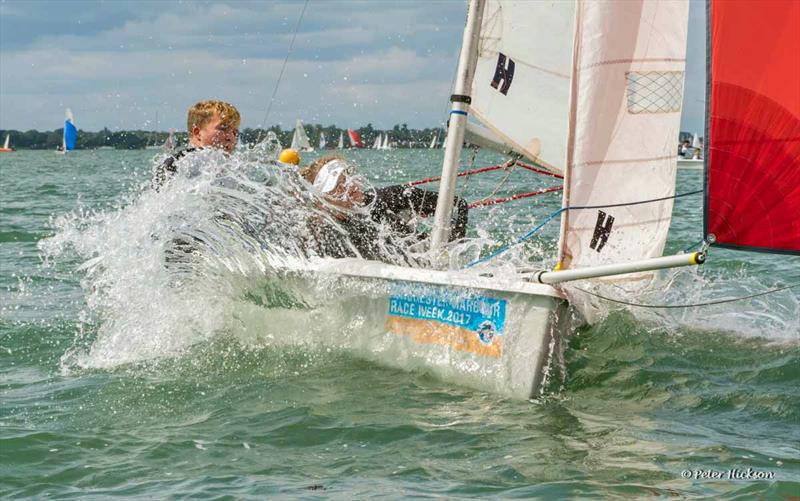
(400, 136)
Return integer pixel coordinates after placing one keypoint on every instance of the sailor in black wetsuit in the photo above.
(391, 207)
(211, 124)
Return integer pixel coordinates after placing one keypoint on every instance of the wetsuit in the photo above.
(393, 207)
(168, 167)
(396, 205)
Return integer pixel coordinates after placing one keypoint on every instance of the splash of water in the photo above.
(167, 269)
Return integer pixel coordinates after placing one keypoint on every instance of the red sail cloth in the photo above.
(753, 129)
(354, 139)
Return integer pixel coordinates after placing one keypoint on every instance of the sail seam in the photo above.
(631, 161)
(633, 60)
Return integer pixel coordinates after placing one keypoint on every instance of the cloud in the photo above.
(117, 63)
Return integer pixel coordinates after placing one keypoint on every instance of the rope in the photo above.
(538, 171)
(692, 305)
(466, 178)
(563, 209)
(283, 68)
(460, 174)
(500, 184)
(487, 201)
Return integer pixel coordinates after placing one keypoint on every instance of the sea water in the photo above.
(119, 378)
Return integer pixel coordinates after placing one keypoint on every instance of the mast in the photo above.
(458, 119)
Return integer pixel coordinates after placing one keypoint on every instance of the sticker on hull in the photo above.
(471, 323)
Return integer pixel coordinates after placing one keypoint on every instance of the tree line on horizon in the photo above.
(401, 136)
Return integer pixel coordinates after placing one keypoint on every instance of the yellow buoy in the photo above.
(289, 156)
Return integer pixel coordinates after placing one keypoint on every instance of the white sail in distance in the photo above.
(378, 141)
(300, 140)
(433, 141)
(322, 142)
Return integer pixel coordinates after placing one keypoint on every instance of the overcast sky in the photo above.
(117, 63)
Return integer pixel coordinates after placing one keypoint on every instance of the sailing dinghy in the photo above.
(591, 91)
(6, 146)
(300, 140)
(70, 134)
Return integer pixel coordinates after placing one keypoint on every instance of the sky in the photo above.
(119, 63)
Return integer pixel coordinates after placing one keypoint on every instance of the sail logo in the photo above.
(504, 72)
(602, 230)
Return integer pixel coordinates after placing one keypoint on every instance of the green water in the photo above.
(645, 395)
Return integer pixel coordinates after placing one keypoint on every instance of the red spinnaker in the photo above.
(753, 125)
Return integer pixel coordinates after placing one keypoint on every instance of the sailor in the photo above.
(211, 124)
(359, 207)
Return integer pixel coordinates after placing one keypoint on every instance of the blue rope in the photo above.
(552, 216)
(694, 245)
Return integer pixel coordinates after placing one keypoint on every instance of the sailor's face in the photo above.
(216, 134)
(348, 192)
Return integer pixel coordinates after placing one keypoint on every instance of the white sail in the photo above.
(340, 146)
(378, 142)
(521, 89)
(386, 145)
(169, 144)
(322, 142)
(433, 141)
(300, 140)
(627, 95)
(5, 145)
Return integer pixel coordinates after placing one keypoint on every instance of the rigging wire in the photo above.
(564, 209)
(283, 68)
(691, 305)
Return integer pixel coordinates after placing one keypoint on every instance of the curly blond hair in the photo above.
(204, 111)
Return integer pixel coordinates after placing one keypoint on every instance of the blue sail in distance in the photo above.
(70, 135)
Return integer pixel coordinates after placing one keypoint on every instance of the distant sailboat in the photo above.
(70, 136)
(355, 141)
(434, 141)
(300, 140)
(378, 142)
(386, 145)
(340, 146)
(6, 148)
(322, 142)
(169, 144)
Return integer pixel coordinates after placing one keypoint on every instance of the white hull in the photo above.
(690, 164)
(364, 316)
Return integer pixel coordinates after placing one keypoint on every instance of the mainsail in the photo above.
(521, 89)
(434, 141)
(340, 145)
(70, 132)
(300, 140)
(322, 142)
(753, 125)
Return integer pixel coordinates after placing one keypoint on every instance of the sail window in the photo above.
(654, 91)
